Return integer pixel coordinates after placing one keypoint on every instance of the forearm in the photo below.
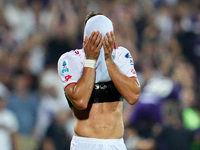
(129, 88)
(79, 93)
(14, 138)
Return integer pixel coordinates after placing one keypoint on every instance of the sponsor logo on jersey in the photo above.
(97, 86)
(67, 78)
(65, 66)
(128, 55)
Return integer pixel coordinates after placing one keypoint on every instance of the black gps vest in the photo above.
(103, 92)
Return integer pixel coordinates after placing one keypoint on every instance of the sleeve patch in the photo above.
(68, 77)
(130, 58)
(64, 67)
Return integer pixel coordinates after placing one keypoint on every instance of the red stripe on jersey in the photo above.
(133, 77)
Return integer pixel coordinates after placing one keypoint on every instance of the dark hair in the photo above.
(92, 14)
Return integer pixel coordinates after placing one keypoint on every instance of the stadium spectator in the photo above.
(8, 123)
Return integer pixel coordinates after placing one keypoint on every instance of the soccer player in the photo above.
(96, 80)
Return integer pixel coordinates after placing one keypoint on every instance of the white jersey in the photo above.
(71, 64)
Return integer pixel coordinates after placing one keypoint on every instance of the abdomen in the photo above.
(100, 120)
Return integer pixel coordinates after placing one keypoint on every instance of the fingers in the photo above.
(94, 39)
(92, 36)
(105, 43)
(109, 40)
(85, 40)
(110, 37)
(98, 42)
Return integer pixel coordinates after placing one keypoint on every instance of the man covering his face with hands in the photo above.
(96, 79)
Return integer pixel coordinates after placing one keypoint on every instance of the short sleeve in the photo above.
(69, 69)
(125, 62)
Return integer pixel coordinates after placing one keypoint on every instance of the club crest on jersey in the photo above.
(130, 57)
(65, 66)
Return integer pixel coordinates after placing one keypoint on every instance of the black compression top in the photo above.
(103, 92)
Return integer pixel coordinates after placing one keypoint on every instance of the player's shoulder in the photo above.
(121, 48)
(122, 51)
(73, 55)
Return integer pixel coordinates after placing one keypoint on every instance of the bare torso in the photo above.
(100, 120)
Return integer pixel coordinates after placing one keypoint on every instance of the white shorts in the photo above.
(84, 143)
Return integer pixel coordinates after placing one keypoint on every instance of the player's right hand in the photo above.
(92, 46)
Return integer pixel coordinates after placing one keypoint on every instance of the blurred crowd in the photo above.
(163, 37)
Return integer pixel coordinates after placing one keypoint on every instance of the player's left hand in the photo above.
(108, 45)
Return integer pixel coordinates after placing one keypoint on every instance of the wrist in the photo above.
(109, 60)
(91, 63)
(109, 63)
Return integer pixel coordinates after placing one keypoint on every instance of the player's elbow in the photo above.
(80, 105)
(134, 93)
(134, 97)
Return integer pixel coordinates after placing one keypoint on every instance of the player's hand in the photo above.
(108, 45)
(92, 45)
